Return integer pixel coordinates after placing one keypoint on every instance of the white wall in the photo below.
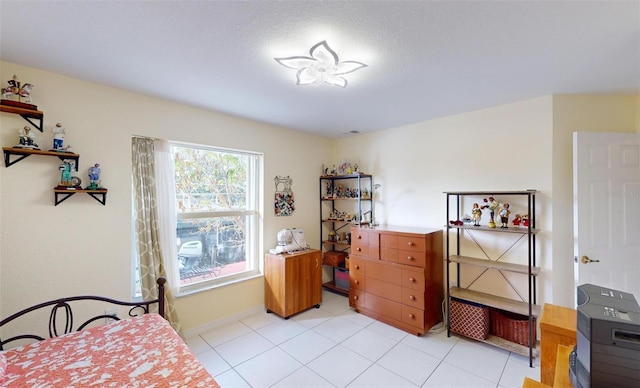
(500, 148)
(516, 146)
(82, 247)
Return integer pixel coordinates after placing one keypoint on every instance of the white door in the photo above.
(606, 205)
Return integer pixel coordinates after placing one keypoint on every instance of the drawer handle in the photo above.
(411, 244)
(410, 258)
(355, 297)
(357, 266)
(359, 237)
(412, 280)
(411, 297)
(357, 282)
(411, 316)
(358, 249)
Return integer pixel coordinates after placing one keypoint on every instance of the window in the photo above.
(217, 196)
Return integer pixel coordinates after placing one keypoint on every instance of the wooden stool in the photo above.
(557, 327)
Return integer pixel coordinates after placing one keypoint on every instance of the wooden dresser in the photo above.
(396, 276)
(292, 282)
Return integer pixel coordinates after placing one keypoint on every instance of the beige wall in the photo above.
(82, 247)
(516, 146)
(578, 113)
(500, 148)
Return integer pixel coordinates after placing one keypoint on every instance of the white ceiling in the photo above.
(426, 59)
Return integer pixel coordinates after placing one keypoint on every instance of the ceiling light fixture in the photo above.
(322, 66)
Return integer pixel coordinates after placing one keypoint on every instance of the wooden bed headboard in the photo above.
(63, 323)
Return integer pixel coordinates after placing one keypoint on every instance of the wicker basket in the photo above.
(334, 258)
(469, 319)
(512, 327)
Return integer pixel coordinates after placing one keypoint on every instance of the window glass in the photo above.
(218, 221)
(217, 215)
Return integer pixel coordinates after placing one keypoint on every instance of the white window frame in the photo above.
(253, 212)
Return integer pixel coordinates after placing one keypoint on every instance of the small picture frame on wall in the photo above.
(284, 202)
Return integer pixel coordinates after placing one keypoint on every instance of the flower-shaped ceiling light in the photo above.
(322, 65)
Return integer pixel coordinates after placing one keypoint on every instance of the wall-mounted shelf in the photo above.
(99, 195)
(22, 153)
(26, 114)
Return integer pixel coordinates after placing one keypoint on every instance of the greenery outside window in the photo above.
(218, 222)
(218, 219)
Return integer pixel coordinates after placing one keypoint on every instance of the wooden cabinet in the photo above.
(518, 241)
(292, 282)
(558, 327)
(396, 276)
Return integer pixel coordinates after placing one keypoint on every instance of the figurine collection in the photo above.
(18, 94)
(498, 213)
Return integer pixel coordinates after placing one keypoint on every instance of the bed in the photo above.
(140, 351)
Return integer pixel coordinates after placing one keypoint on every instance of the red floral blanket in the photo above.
(143, 351)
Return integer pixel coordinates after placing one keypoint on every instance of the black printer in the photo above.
(607, 352)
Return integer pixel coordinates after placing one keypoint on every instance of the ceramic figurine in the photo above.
(504, 215)
(58, 137)
(476, 212)
(94, 177)
(27, 139)
(517, 219)
(492, 205)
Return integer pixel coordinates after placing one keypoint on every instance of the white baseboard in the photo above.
(221, 322)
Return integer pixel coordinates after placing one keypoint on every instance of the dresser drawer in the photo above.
(410, 243)
(413, 298)
(381, 271)
(389, 254)
(357, 298)
(383, 306)
(365, 236)
(359, 237)
(365, 250)
(389, 241)
(357, 281)
(413, 258)
(413, 280)
(384, 289)
(413, 316)
(357, 266)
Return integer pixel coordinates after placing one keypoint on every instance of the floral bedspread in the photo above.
(143, 351)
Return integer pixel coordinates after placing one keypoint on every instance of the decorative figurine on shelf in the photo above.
(329, 190)
(94, 177)
(27, 139)
(21, 91)
(67, 181)
(476, 213)
(504, 215)
(525, 220)
(492, 205)
(517, 220)
(58, 137)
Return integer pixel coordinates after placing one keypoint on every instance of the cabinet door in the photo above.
(311, 273)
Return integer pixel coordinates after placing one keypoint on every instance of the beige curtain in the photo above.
(148, 226)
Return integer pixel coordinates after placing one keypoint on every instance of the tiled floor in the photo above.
(335, 347)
